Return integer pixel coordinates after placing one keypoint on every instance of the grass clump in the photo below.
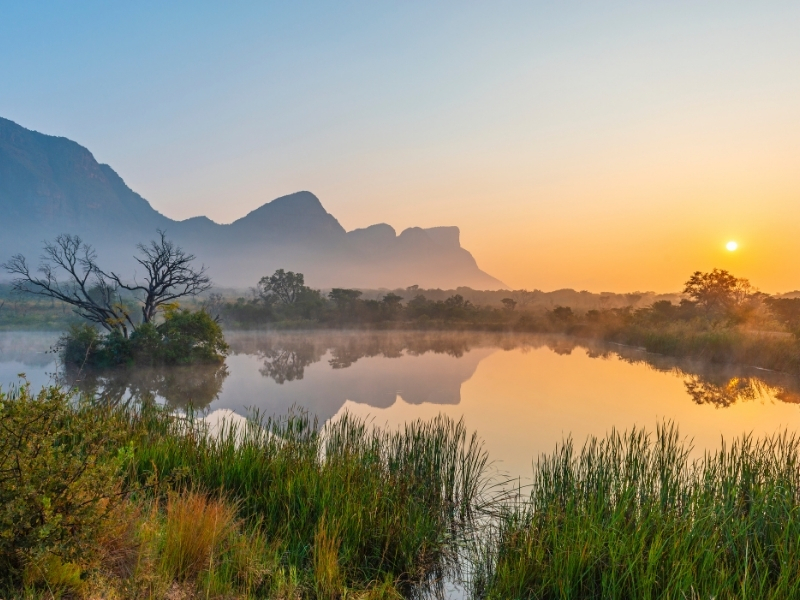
(631, 516)
(347, 506)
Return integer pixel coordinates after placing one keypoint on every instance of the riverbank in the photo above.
(135, 502)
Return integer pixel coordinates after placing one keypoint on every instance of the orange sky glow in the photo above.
(612, 146)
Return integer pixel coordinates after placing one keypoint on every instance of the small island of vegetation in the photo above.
(158, 333)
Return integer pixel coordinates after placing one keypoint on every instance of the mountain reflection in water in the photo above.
(321, 370)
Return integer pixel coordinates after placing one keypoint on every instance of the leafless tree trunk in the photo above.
(68, 272)
(169, 276)
(91, 294)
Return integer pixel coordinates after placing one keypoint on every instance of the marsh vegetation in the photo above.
(142, 503)
(631, 516)
(138, 502)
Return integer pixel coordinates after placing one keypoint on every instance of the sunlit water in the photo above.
(523, 394)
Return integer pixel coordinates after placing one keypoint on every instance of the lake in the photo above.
(522, 393)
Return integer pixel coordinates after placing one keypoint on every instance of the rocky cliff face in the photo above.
(51, 185)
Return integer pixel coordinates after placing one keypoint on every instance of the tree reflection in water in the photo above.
(196, 385)
(288, 364)
(285, 357)
(727, 393)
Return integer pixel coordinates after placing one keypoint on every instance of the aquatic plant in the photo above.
(631, 516)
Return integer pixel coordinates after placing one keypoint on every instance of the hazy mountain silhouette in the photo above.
(51, 185)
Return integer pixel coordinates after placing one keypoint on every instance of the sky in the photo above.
(608, 146)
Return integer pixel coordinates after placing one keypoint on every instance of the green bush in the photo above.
(80, 345)
(184, 337)
(190, 337)
(60, 466)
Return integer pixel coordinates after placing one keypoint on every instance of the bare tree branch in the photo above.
(169, 276)
(83, 284)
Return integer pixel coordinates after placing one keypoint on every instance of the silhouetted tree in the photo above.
(509, 304)
(787, 311)
(717, 290)
(282, 286)
(344, 298)
(392, 304)
(69, 272)
(169, 276)
(561, 313)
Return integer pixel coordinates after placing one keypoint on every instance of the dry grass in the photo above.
(194, 530)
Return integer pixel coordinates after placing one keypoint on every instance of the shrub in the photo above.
(59, 476)
(184, 337)
(189, 337)
(80, 344)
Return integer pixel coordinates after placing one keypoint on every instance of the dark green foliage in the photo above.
(184, 337)
(632, 517)
(60, 465)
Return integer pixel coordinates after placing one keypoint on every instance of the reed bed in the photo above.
(347, 506)
(139, 502)
(631, 516)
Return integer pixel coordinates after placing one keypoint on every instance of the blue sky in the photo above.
(584, 144)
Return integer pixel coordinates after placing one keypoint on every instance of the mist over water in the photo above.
(522, 393)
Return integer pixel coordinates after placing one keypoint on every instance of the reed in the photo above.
(348, 505)
(631, 516)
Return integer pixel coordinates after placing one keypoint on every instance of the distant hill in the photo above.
(51, 185)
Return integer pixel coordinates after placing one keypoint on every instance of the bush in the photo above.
(190, 337)
(184, 337)
(80, 345)
(59, 475)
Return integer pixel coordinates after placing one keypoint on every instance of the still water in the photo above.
(522, 393)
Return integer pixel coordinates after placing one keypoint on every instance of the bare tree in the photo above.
(169, 276)
(68, 272)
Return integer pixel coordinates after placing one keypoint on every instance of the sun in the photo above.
(731, 246)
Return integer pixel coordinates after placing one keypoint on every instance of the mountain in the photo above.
(51, 185)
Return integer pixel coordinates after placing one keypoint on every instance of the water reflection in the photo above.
(371, 368)
(179, 387)
(322, 370)
(719, 385)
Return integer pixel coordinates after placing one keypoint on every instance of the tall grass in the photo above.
(346, 506)
(630, 516)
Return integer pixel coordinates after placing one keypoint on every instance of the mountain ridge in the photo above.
(51, 185)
